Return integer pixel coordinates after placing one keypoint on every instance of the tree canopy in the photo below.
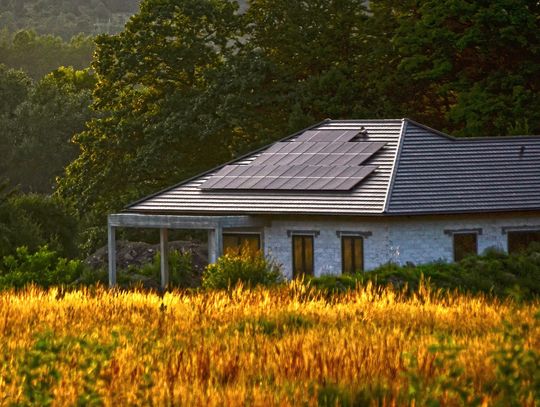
(38, 125)
(37, 55)
(66, 18)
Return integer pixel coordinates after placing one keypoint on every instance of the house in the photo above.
(344, 196)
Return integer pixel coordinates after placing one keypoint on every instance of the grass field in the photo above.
(281, 346)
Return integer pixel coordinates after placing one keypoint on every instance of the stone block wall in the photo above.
(397, 239)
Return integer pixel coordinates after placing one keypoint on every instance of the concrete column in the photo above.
(164, 249)
(215, 244)
(219, 242)
(211, 246)
(112, 255)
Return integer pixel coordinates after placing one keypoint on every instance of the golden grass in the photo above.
(262, 347)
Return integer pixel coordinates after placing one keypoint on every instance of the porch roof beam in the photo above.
(136, 220)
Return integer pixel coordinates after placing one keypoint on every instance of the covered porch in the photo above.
(215, 225)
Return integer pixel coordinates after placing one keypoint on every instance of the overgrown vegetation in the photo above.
(496, 273)
(181, 272)
(43, 268)
(288, 345)
(248, 268)
(33, 221)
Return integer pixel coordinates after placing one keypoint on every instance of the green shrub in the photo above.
(180, 269)
(248, 268)
(57, 227)
(336, 284)
(33, 221)
(44, 268)
(496, 273)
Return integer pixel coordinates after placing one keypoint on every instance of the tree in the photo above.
(38, 132)
(150, 78)
(38, 55)
(472, 68)
(65, 18)
(14, 85)
(33, 221)
(14, 88)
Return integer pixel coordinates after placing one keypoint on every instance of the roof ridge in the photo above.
(469, 139)
(395, 164)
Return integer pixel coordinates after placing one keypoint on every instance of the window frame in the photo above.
(239, 236)
(512, 232)
(311, 237)
(353, 238)
(464, 233)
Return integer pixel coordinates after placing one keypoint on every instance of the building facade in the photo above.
(345, 196)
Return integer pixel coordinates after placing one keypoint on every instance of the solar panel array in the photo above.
(324, 160)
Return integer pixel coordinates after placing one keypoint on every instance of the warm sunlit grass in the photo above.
(283, 346)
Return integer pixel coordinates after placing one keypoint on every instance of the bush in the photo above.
(36, 220)
(44, 268)
(180, 269)
(247, 268)
(500, 274)
(57, 227)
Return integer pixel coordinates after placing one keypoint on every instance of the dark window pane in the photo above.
(465, 244)
(520, 241)
(358, 254)
(308, 255)
(302, 255)
(297, 256)
(234, 242)
(346, 255)
(352, 254)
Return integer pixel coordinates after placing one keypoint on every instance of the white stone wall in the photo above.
(404, 239)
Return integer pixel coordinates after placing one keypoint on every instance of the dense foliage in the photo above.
(267, 347)
(66, 18)
(33, 221)
(44, 268)
(38, 124)
(181, 272)
(37, 55)
(244, 268)
(494, 273)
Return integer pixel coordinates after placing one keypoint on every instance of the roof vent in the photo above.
(522, 151)
(362, 134)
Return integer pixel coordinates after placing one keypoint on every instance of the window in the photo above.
(520, 240)
(352, 254)
(302, 255)
(465, 244)
(234, 242)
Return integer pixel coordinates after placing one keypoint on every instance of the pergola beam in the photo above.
(135, 220)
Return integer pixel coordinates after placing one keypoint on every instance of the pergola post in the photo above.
(215, 244)
(164, 249)
(112, 254)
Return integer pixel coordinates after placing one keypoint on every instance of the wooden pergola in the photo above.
(213, 224)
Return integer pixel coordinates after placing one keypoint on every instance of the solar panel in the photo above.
(318, 153)
(317, 160)
(294, 178)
